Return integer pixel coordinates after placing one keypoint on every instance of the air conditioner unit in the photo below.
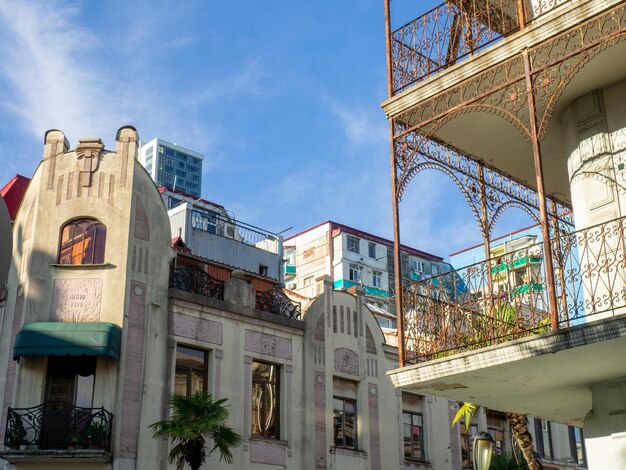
(291, 286)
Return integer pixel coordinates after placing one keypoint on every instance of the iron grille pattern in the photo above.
(505, 298)
(58, 425)
(276, 301)
(196, 280)
(455, 30)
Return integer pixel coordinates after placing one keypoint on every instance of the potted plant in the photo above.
(17, 433)
(72, 440)
(96, 435)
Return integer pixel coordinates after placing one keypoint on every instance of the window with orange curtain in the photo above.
(82, 242)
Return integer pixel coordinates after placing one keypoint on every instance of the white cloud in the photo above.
(361, 125)
(49, 62)
(64, 75)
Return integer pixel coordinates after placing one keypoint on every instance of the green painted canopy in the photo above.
(68, 339)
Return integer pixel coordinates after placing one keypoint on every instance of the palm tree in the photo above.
(519, 429)
(194, 418)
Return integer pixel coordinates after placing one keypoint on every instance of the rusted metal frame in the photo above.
(395, 201)
(437, 117)
(397, 259)
(499, 29)
(559, 262)
(486, 233)
(521, 15)
(388, 49)
(545, 229)
(535, 70)
(454, 40)
(498, 189)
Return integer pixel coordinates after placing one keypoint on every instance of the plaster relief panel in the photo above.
(192, 327)
(346, 361)
(76, 300)
(267, 452)
(268, 344)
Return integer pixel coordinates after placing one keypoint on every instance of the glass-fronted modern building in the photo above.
(172, 166)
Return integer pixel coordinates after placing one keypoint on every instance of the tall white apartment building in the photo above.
(172, 166)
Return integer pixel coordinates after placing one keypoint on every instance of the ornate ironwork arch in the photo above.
(548, 91)
(470, 197)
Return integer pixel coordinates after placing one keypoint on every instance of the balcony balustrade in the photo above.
(482, 305)
(57, 425)
(194, 279)
(276, 301)
(455, 30)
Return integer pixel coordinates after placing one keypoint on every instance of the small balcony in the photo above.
(504, 299)
(57, 431)
(455, 30)
(475, 335)
(196, 280)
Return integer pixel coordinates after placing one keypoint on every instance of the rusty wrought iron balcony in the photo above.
(455, 30)
(197, 281)
(60, 429)
(276, 301)
(505, 298)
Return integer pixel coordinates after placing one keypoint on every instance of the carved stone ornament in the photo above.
(76, 300)
(346, 361)
(271, 345)
(88, 155)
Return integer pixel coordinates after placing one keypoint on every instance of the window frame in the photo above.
(540, 439)
(377, 279)
(422, 457)
(275, 434)
(353, 244)
(355, 268)
(371, 250)
(65, 250)
(355, 439)
(582, 458)
(189, 370)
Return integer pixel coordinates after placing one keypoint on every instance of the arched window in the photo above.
(82, 242)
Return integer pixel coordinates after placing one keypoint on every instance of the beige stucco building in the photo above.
(94, 342)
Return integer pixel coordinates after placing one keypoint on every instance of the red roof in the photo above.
(179, 245)
(13, 193)
(336, 228)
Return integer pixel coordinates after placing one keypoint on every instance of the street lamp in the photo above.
(482, 450)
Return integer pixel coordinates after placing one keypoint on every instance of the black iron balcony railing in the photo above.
(196, 280)
(276, 301)
(237, 230)
(506, 298)
(455, 30)
(58, 425)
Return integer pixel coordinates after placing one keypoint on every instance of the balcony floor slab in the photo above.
(55, 455)
(547, 376)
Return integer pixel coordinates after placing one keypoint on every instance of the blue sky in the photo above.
(283, 99)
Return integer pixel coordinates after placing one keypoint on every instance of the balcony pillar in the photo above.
(595, 157)
(238, 291)
(595, 136)
(543, 212)
(605, 428)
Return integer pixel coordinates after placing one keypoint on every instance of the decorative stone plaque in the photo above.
(346, 361)
(271, 345)
(76, 300)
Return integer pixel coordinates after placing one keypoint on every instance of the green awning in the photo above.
(68, 339)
